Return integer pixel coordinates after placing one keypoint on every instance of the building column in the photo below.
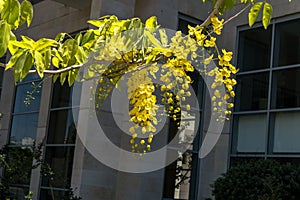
(6, 106)
(41, 133)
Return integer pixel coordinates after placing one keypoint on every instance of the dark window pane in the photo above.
(16, 193)
(22, 93)
(286, 88)
(183, 25)
(62, 129)
(31, 77)
(52, 194)
(178, 177)
(254, 49)
(23, 130)
(1, 75)
(62, 95)
(252, 92)
(287, 43)
(60, 160)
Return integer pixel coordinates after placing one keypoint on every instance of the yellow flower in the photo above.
(207, 61)
(188, 107)
(227, 55)
(230, 105)
(217, 25)
(211, 42)
(217, 93)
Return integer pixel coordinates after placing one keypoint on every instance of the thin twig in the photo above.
(237, 14)
(59, 71)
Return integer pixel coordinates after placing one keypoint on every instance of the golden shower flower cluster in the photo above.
(183, 48)
(223, 75)
(176, 91)
(183, 55)
(217, 24)
(143, 114)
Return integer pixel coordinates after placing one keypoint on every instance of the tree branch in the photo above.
(2, 65)
(59, 71)
(213, 13)
(237, 14)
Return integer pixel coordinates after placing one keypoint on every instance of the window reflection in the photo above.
(254, 49)
(287, 45)
(22, 93)
(62, 95)
(62, 129)
(252, 92)
(20, 160)
(250, 133)
(60, 160)
(286, 132)
(286, 88)
(52, 194)
(23, 129)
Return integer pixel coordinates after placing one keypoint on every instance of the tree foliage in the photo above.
(259, 179)
(115, 48)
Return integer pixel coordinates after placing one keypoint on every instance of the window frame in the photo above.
(269, 111)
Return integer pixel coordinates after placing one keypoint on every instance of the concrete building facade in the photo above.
(263, 125)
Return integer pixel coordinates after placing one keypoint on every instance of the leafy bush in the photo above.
(259, 180)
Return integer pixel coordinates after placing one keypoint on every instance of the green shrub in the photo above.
(259, 180)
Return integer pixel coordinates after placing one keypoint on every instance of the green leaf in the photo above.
(96, 23)
(12, 48)
(81, 55)
(135, 23)
(39, 63)
(43, 44)
(151, 23)
(55, 77)
(153, 40)
(4, 37)
(14, 59)
(72, 76)
(1, 5)
(47, 58)
(20, 62)
(227, 5)
(55, 52)
(26, 12)
(78, 38)
(60, 37)
(267, 14)
(11, 12)
(63, 77)
(70, 48)
(21, 44)
(254, 12)
(163, 37)
(27, 66)
(55, 62)
(88, 39)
